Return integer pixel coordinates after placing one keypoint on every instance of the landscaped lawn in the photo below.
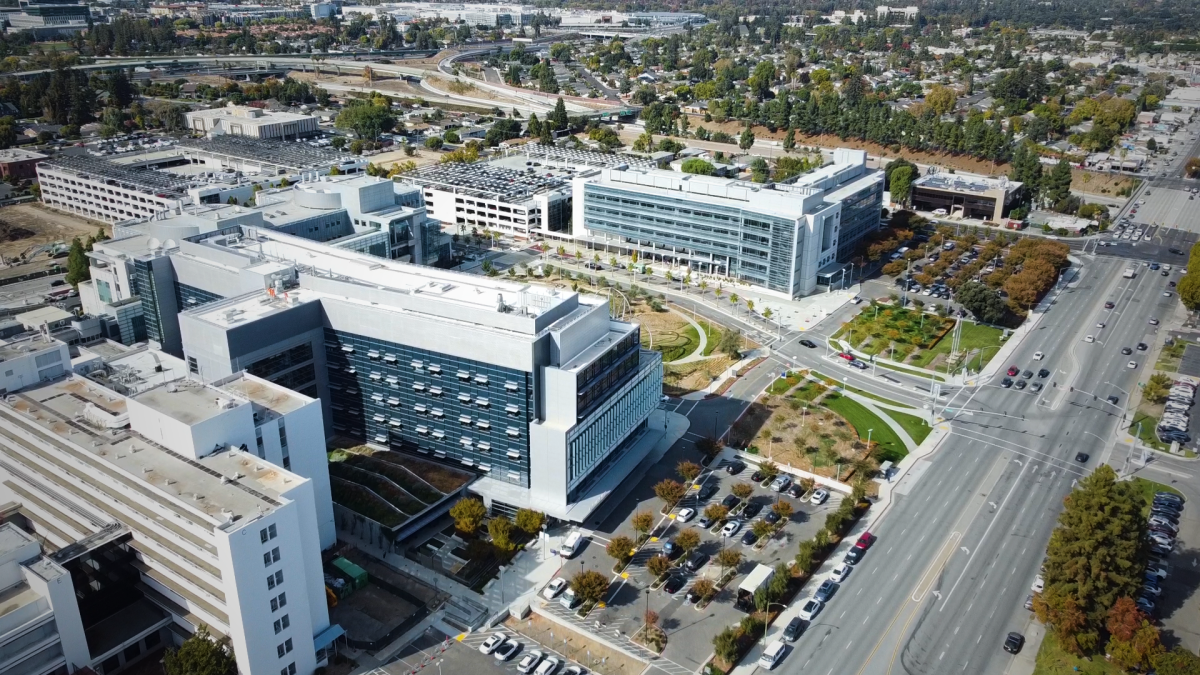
(891, 447)
(983, 340)
(860, 392)
(1052, 660)
(916, 427)
(1146, 431)
(714, 336)
(906, 329)
(782, 384)
(1149, 487)
(1170, 357)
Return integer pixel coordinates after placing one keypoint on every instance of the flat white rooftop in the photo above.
(270, 396)
(247, 115)
(187, 401)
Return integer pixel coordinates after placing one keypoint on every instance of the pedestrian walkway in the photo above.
(876, 407)
(729, 373)
(697, 355)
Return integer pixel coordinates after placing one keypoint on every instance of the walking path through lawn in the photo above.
(697, 355)
(875, 407)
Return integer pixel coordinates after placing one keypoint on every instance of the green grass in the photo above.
(862, 392)
(809, 392)
(713, 333)
(891, 447)
(1147, 434)
(914, 426)
(984, 340)
(782, 384)
(673, 345)
(1149, 487)
(1052, 660)
(1170, 357)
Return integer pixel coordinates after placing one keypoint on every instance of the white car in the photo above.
(820, 496)
(1039, 584)
(554, 588)
(529, 661)
(1038, 356)
(685, 514)
(731, 528)
(810, 609)
(489, 645)
(548, 667)
(840, 572)
(1131, 365)
(1089, 339)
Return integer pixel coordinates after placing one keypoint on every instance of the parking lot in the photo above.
(689, 629)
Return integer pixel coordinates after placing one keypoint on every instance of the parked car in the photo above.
(820, 496)
(781, 483)
(553, 589)
(530, 661)
(811, 608)
(1014, 642)
(795, 629)
(492, 643)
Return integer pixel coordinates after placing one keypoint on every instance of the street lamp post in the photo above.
(869, 440)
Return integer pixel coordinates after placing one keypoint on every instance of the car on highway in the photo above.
(1089, 338)
(1006, 383)
(731, 528)
(844, 355)
(840, 572)
(1013, 370)
(1126, 351)
(820, 496)
(1043, 373)
(1141, 346)
(811, 608)
(1109, 305)
(826, 590)
(1020, 384)
(1014, 642)
(685, 514)
(505, 651)
(1113, 400)
(489, 645)
(1100, 325)
(795, 629)
(554, 589)
(861, 365)
(809, 343)
(1131, 365)
(1082, 457)
(1039, 584)
(1153, 321)
(1035, 387)
(1038, 356)
(1027, 374)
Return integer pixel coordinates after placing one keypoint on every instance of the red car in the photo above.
(865, 540)
(1013, 371)
(844, 355)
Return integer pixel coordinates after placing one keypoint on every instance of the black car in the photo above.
(1043, 373)
(1082, 457)
(795, 629)
(809, 343)
(751, 510)
(707, 491)
(730, 501)
(1126, 351)
(1006, 383)
(853, 556)
(758, 476)
(1113, 400)
(1141, 346)
(1014, 642)
(1175, 251)
(795, 491)
(749, 538)
(735, 467)
(1027, 374)
(1020, 384)
(673, 584)
(695, 562)
(826, 591)
(771, 518)
(692, 597)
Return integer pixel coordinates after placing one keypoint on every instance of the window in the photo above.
(273, 532)
(274, 580)
(285, 648)
(271, 556)
(290, 670)
(263, 535)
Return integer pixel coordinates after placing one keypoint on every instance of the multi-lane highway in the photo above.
(964, 537)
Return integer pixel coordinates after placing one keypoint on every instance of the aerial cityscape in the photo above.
(569, 338)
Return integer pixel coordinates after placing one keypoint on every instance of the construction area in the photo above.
(32, 231)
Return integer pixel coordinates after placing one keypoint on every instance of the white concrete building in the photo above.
(172, 496)
(27, 361)
(896, 14)
(253, 122)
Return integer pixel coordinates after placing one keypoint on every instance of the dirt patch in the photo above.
(424, 157)
(577, 646)
(386, 84)
(1098, 183)
(667, 333)
(24, 227)
(694, 376)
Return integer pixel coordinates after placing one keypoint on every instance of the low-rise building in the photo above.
(253, 122)
(958, 195)
(29, 360)
(18, 163)
(47, 19)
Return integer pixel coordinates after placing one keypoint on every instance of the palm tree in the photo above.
(750, 305)
(733, 300)
(767, 313)
(703, 286)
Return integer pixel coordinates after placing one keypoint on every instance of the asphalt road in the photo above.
(958, 550)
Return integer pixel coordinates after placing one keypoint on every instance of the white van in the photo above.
(571, 546)
(772, 656)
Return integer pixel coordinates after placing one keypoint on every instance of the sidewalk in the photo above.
(729, 373)
(748, 666)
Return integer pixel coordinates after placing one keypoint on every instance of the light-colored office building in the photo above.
(170, 512)
(49, 18)
(29, 360)
(907, 14)
(258, 123)
(784, 239)
(961, 196)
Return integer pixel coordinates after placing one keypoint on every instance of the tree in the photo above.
(716, 512)
(641, 522)
(1058, 184)
(704, 588)
(941, 99)
(901, 185)
(644, 143)
(789, 140)
(1178, 661)
(658, 565)
(620, 548)
(589, 585)
(697, 166)
(708, 446)
(1152, 145)
(806, 556)
(1095, 557)
(468, 514)
(77, 264)
(762, 528)
(726, 645)
(730, 342)
(500, 528)
(366, 119)
(687, 540)
(1138, 652)
(1189, 291)
(200, 654)
(783, 509)
(769, 469)
(670, 491)
(1124, 620)
(985, 303)
(688, 470)
(729, 558)
(746, 140)
(558, 118)
(742, 490)
(1158, 387)
(434, 143)
(530, 521)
